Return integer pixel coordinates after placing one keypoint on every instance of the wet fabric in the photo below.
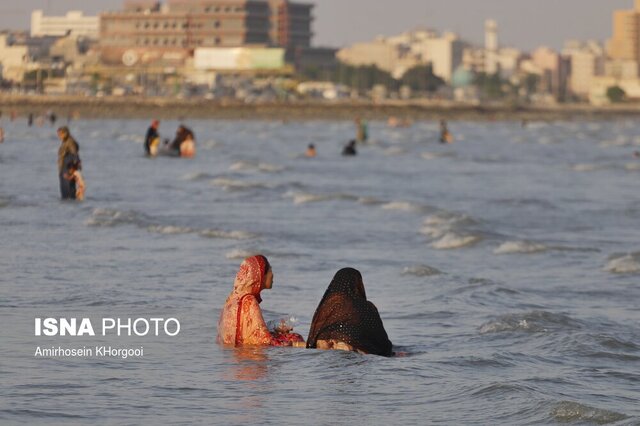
(67, 183)
(151, 138)
(68, 147)
(345, 315)
(241, 321)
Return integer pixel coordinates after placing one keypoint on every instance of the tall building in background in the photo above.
(624, 45)
(290, 24)
(491, 47)
(73, 22)
(150, 31)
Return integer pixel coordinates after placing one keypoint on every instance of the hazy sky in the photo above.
(522, 23)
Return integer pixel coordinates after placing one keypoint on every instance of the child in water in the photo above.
(74, 175)
(311, 151)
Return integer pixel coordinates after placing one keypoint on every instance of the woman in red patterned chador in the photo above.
(241, 322)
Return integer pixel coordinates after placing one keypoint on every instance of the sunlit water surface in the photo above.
(506, 266)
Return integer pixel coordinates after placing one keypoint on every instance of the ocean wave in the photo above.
(110, 218)
(241, 254)
(369, 201)
(632, 167)
(236, 185)
(229, 235)
(421, 271)
(434, 155)
(197, 176)
(568, 411)
(261, 167)
(169, 229)
(624, 264)
(308, 197)
(531, 322)
(402, 206)
(585, 167)
(394, 150)
(521, 247)
(101, 217)
(453, 240)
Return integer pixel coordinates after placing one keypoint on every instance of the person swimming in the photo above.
(311, 151)
(346, 320)
(184, 142)
(241, 321)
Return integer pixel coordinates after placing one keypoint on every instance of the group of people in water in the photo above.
(183, 145)
(343, 320)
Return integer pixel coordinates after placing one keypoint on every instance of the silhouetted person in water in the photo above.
(445, 135)
(350, 149)
(67, 157)
(30, 119)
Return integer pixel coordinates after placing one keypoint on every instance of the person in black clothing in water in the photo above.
(350, 148)
(152, 140)
(182, 134)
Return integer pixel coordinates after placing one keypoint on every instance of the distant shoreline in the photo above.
(166, 108)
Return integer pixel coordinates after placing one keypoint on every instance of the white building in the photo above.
(400, 53)
(73, 22)
(587, 62)
(13, 59)
(491, 47)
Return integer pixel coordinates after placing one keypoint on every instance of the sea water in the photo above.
(505, 266)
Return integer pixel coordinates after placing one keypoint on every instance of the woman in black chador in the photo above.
(346, 320)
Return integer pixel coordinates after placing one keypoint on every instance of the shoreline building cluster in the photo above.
(238, 48)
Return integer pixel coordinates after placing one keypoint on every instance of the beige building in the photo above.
(73, 22)
(151, 32)
(400, 53)
(13, 59)
(625, 43)
(587, 62)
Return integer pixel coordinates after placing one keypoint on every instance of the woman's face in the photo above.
(268, 280)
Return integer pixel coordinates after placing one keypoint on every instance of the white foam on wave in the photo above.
(402, 206)
(439, 224)
(573, 412)
(230, 235)
(433, 155)
(196, 176)
(169, 229)
(453, 240)
(101, 217)
(531, 322)
(233, 184)
(520, 247)
(299, 197)
(585, 167)
(626, 264)
(632, 167)
(249, 166)
(421, 271)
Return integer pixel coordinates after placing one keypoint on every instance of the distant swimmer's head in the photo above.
(311, 146)
(63, 132)
(155, 124)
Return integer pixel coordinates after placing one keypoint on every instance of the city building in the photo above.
(587, 62)
(491, 65)
(624, 44)
(73, 22)
(400, 53)
(13, 59)
(151, 32)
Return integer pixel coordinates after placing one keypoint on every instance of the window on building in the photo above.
(218, 40)
(216, 24)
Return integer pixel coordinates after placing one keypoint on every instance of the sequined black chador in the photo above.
(345, 315)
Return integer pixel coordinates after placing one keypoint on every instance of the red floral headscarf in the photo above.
(250, 276)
